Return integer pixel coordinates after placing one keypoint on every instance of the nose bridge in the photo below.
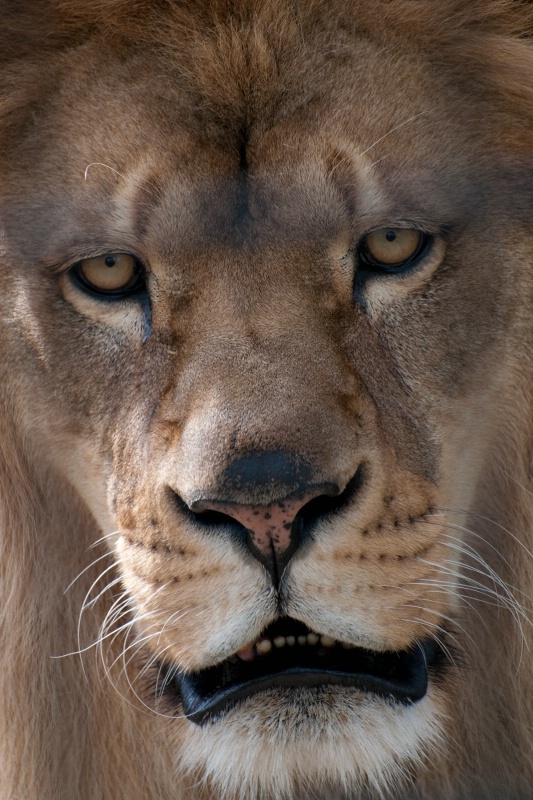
(258, 385)
(275, 355)
(270, 312)
(265, 389)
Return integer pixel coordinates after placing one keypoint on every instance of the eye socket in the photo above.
(112, 275)
(391, 249)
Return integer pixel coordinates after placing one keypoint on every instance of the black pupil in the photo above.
(110, 261)
(390, 236)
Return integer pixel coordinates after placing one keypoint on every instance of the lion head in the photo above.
(266, 380)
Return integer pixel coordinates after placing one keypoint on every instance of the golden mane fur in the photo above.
(122, 127)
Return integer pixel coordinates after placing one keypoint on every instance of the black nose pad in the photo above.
(261, 478)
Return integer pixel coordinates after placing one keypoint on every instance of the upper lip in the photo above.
(399, 675)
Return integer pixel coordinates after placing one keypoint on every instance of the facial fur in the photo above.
(263, 365)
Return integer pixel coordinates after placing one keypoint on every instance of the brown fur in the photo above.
(241, 150)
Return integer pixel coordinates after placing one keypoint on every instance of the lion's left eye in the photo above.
(112, 275)
(392, 249)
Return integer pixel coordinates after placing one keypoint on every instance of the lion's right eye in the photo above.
(114, 275)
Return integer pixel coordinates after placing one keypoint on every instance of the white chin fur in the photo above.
(312, 743)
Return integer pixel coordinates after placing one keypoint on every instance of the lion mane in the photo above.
(266, 392)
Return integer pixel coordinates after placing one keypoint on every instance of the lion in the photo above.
(266, 456)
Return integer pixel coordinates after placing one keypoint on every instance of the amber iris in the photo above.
(109, 274)
(392, 247)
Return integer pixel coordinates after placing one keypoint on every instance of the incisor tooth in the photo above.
(264, 646)
(302, 639)
(327, 641)
(279, 641)
(312, 638)
(290, 640)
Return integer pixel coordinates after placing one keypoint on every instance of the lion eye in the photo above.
(113, 274)
(392, 248)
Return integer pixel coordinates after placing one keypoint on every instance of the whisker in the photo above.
(90, 646)
(120, 175)
(491, 522)
(93, 602)
(93, 584)
(508, 602)
(466, 549)
(470, 532)
(106, 537)
(430, 626)
(393, 130)
(84, 570)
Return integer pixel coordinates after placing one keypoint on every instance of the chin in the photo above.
(323, 742)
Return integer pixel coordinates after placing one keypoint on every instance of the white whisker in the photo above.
(85, 569)
(393, 130)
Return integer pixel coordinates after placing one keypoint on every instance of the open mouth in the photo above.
(288, 654)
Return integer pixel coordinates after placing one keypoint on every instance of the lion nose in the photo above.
(272, 532)
(262, 500)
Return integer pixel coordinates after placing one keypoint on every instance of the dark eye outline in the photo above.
(136, 287)
(366, 263)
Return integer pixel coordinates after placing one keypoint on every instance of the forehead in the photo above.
(301, 129)
(222, 97)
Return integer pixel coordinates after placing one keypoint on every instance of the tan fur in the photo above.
(240, 150)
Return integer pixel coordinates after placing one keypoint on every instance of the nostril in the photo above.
(207, 517)
(326, 505)
(214, 519)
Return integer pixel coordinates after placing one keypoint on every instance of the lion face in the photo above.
(274, 395)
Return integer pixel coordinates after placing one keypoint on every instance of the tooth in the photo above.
(246, 653)
(279, 641)
(327, 641)
(290, 640)
(348, 646)
(312, 638)
(264, 646)
(302, 639)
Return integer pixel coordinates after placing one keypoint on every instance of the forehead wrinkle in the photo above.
(134, 200)
(106, 216)
(364, 194)
(378, 195)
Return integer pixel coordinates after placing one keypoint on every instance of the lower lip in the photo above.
(400, 677)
